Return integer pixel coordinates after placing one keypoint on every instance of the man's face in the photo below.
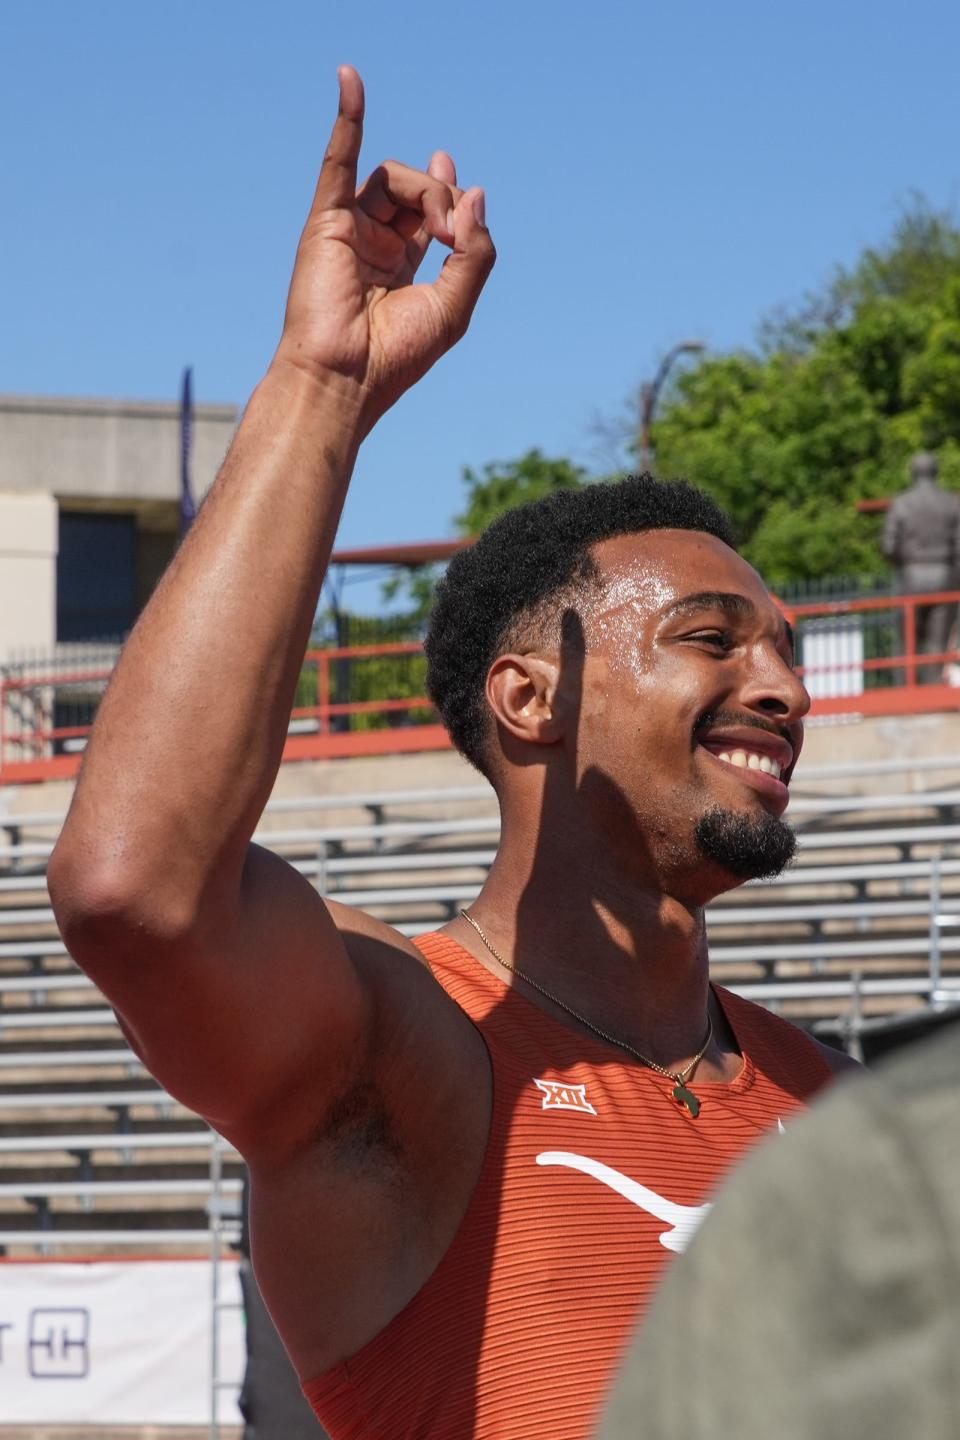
(690, 719)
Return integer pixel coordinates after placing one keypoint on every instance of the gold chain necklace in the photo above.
(681, 1091)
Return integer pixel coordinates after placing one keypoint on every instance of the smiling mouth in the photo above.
(749, 760)
(757, 770)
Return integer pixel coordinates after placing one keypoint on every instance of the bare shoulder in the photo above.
(418, 1032)
(391, 967)
(371, 941)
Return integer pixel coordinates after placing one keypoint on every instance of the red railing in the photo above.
(912, 681)
(859, 666)
(47, 710)
(314, 730)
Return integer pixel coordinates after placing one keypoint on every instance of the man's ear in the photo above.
(522, 692)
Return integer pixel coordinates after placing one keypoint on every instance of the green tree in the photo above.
(502, 486)
(829, 407)
(378, 677)
(491, 491)
(369, 678)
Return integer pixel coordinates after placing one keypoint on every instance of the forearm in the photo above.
(189, 737)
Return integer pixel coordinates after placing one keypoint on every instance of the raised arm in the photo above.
(223, 963)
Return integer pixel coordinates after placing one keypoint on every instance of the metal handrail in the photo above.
(218, 1233)
(381, 800)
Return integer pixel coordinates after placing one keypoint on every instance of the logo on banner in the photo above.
(72, 1353)
(58, 1344)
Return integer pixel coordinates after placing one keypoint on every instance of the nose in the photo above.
(773, 688)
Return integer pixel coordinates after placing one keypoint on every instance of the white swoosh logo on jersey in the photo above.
(683, 1220)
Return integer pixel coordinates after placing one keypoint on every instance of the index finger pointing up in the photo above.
(338, 175)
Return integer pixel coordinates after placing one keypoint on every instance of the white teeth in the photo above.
(749, 760)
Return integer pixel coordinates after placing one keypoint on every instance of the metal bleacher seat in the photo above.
(417, 872)
(71, 1059)
(91, 1147)
(123, 1189)
(87, 1183)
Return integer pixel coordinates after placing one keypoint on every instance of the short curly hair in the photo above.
(522, 572)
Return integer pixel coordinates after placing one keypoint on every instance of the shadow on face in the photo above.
(675, 720)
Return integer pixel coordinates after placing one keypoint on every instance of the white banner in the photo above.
(113, 1342)
(832, 652)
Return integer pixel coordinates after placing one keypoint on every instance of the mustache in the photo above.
(719, 718)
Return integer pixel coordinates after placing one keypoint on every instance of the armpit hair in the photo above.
(359, 1128)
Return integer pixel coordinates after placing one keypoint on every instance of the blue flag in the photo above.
(188, 509)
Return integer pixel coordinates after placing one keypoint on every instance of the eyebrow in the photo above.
(728, 601)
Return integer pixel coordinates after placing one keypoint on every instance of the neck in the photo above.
(628, 957)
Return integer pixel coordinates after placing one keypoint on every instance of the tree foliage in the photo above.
(825, 410)
(830, 407)
(499, 487)
(494, 489)
(368, 678)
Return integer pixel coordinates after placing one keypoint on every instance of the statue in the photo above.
(921, 538)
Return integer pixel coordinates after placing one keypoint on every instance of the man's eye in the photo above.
(719, 638)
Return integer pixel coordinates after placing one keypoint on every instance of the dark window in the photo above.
(96, 576)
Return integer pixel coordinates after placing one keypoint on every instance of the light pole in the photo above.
(650, 393)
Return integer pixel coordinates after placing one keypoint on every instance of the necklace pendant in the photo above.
(683, 1096)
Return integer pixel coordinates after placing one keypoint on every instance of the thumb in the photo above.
(441, 167)
(465, 270)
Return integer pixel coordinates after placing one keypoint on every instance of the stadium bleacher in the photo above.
(94, 1154)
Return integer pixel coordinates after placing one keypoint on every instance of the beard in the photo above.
(752, 847)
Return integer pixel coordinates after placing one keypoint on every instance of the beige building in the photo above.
(90, 511)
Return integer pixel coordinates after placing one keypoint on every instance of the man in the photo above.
(841, 1247)
(921, 537)
(466, 1176)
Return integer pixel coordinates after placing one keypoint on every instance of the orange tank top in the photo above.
(592, 1178)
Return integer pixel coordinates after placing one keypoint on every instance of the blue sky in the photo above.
(652, 173)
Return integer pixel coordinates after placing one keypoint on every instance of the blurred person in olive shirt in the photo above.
(821, 1297)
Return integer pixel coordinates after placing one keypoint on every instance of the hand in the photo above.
(354, 315)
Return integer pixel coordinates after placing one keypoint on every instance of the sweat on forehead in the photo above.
(648, 573)
(530, 565)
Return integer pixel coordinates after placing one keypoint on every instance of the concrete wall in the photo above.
(842, 740)
(107, 449)
(28, 573)
(114, 456)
